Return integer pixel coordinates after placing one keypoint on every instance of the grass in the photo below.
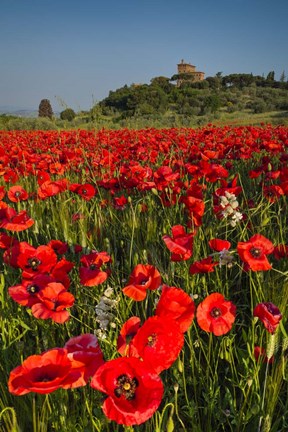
(169, 119)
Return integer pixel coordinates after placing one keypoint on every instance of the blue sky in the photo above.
(74, 52)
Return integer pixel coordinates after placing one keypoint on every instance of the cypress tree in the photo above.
(45, 109)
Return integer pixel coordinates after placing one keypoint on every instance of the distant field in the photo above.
(169, 119)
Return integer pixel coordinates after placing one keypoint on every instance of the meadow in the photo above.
(144, 280)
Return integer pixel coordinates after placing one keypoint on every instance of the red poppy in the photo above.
(17, 193)
(86, 190)
(257, 172)
(2, 192)
(222, 246)
(13, 221)
(272, 175)
(133, 391)
(164, 176)
(7, 241)
(50, 188)
(120, 202)
(195, 208)
(158, 342)
(33, 261)
(230, 187)
(61, 277)
(213, 171)
(85, 354)
(273, 192)
(206, 265)
(127, 332)
(53, 301)
(169, 198)
(10, 176)
(43, 373)
(280, 251)
(77, 248)
(176, 304)
(42, 176)
(56, 168)
(11, 254)
(180, 244)
(77, 216)
(62, 266)
(215, 314)
(254, 251)
(218, 244)
(91, 273)
(284, 187)
(26, 293)
(143, 278)
(58, 246)
(269, 314)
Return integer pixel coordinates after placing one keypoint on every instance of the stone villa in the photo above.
(189, 71)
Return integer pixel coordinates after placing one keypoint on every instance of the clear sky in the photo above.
(73, 52)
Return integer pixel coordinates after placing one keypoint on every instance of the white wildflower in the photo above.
(225, 258)
(230, 205)
(108, 292)
(223, 201)
(105, 310)
(101, 335)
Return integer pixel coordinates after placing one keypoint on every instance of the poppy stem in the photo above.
(132, 235)
(263, 398)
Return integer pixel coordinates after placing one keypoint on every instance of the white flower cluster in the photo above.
(226, 258)
(105, 313)
(230, 205)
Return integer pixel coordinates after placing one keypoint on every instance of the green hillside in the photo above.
(236, 99)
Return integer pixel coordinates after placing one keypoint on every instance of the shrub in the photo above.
(68, 114)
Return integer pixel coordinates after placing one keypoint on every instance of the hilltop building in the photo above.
(188, 73)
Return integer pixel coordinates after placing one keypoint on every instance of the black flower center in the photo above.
(144, 281)
(55, 303)
(32, 289)
(215, 312)
(34, 263)
(151, 339)
(126, 386)
(256, 252)
(44, 378)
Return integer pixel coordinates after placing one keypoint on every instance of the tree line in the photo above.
(233, 92)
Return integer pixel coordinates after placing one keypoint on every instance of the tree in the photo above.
(214, 82)
(67, 114)
(283, 77)
(238, 80)
(271, 76)
(45, 109)
(163, 83)
(212, 103)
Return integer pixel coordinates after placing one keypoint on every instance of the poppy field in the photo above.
(144, 280)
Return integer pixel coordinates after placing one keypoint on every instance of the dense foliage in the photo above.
(233, 92)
